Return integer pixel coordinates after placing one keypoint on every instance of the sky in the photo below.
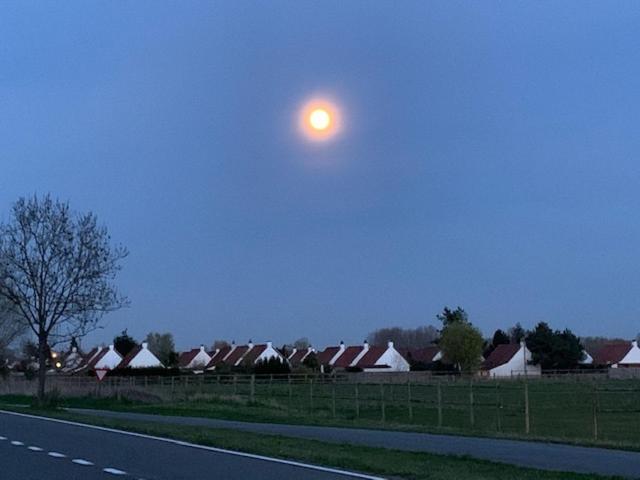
(487, 158)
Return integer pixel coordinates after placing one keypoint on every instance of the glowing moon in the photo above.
(319, 120)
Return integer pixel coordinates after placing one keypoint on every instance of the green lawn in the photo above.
(377, 461)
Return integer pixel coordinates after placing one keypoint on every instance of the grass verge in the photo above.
(377, 461)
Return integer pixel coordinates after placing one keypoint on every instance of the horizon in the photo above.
(481, 157)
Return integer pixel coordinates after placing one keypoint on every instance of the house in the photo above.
(197, 358)
(586, 358)
(140, 357)
(510, 360)
(617, 355)
(363, 357)
(104, 358)
(298, 356)
(381, 359)
(72, 361)
(249, 354)
(423, 356)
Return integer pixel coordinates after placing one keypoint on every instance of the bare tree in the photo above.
(11, 325)
(56, 272)
(404, 338)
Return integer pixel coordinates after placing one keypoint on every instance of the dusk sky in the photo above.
(487, 158)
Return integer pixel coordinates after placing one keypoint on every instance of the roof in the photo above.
(501, 355)
(187, 357)
(611, 354)
(347, 358)
(93, 360)
(422, 355)
(325, 356)
(217, 357)
(298, 357)
(87, 358)
(370, 358)
(254, 353)
(236, 355)
(130, 356)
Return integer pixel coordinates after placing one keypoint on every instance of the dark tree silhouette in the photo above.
(56, 272)
(124, 343)
(448, 316)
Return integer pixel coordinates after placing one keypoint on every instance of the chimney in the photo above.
(250, 344)
(110, 347)
(366, 345)
(145, 345)
(269, 344)
(634, 343)
(74, 350)
(389, 344)
(293, 352)
(202, 348)
(341, 345)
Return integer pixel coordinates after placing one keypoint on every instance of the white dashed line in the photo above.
(3, 438)
(16, 443)
(35, 449)
(57, 455)
(114, 471)
(80, 461)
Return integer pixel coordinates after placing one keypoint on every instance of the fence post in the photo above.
(439, 404)
(290, 392)
(311, 395)
(235, 384)
(252, 392)
(409, 400)
(527, 425)
(498, 407)
(357, 401)
(382, 405)
(595, 411)
(472, 419)
(333, 397)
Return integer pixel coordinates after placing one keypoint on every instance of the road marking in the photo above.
(35, 449)
(16, 443)
(80, 461)
(114, 471)
(57, 455)
(3, 438)
(200, 447)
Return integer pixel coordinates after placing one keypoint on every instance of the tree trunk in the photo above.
(42, 367)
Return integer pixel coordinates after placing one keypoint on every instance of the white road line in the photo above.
(200, 447)
(35, 449)
(16, 443)
(3, 438)
(114, 471)
(80, 461)
(57, 455)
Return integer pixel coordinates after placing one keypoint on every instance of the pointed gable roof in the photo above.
(187, 357)
(501, 355)
(612, 353)
(236, 355)
(218, 356)
(347, 358)
(370, 358)
(130, 356)
(422, 355)
(253, 354)
(325, 356)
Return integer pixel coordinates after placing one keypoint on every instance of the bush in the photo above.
(272, 365)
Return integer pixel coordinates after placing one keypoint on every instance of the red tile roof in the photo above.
(349, 355)
(327, 354)
(130, 356)
(370, 358)
(216, 358)
(501, 355)
(297, 358)
(187, 357)
(253, 354)
(611, 354)
(236, 355)
(92, 361)
(422, 355)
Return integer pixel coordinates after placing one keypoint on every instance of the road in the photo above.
(33, 448)
(539, 455)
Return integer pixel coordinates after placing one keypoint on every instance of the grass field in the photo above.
(392, 464)
(603, 412)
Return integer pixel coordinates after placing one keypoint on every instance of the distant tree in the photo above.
(302, 343)
(554, 350)
(404, 338)
(448, 316)
(56, 272)
(124, 343)
(163, 347)
(461, 345)
(219, 344)
(516, 333)
(11, 326)
(499, 338)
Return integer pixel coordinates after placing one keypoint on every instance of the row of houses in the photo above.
(504, 361)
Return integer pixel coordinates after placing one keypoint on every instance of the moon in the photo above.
(319, 120)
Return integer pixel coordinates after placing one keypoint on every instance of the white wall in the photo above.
(633, 357)
(110, 360)
(144, 359)
(201, 360)
(268, 353)
(396, 362)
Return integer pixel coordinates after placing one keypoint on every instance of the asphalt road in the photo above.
(33, 448)
(544, 456)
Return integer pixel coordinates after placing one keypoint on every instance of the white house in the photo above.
(259, 353)
(140, 357)
(107, 358)
(618, 355)
(73, 361)
(510, 360)
(197, 358)
(380, 359)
